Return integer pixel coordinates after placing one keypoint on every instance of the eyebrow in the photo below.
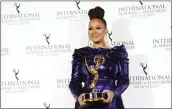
(96, 26)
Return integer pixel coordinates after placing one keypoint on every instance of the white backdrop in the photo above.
(36, 70)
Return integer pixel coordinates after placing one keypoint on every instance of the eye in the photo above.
(90, 28)
(98, 28)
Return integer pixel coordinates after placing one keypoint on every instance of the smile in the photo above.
(95, 35)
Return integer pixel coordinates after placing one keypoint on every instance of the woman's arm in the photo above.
(122, 78)
(75, 85)
(122, 75)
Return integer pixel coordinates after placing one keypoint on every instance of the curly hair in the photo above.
(98, 13)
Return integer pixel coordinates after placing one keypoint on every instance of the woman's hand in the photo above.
(80, 100)
(110, 95)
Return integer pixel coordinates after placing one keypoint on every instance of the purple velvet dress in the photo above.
(113, 74)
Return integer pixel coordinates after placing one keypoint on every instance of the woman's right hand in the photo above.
(80, 100)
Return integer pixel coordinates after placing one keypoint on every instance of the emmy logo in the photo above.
(140, 2)
(46, 106)
(144, 68)
(109, 34)
(47, 37)
(16, 73)
(77, 3)
(17, 7)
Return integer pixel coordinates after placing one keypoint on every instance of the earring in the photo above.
(89, 43)
(106, 40)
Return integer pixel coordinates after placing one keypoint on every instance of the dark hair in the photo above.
(98, 13)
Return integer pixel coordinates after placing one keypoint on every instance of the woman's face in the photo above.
(96, 31)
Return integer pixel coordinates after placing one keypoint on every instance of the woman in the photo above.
(113, 77)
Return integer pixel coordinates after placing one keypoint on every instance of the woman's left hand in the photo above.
(110, 95)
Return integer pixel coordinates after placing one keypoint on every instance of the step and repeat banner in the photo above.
(38, 40)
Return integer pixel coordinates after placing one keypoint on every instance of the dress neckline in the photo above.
(100, 48)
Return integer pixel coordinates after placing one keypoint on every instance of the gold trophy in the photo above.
(94, 96)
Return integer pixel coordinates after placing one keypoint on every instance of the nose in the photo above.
(94, 31)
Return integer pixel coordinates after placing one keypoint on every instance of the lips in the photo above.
(95, 35)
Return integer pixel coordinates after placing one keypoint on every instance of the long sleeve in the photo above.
(122, 75)
(75, 85)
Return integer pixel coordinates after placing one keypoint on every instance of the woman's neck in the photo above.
(100, 45)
